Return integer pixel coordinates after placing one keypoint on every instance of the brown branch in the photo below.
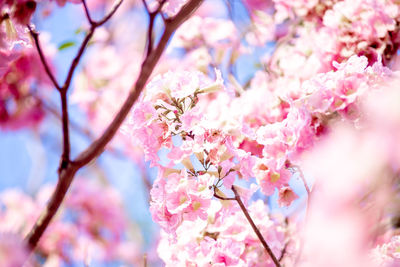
(152, 17)
(77, 58)
(223, 198)
(78, 128)
(108, 17)
(64, 181)
(87, 13)
(65, 156)
(74, 126)
(255, 229)
(283, 253)
(147, 67)
(146, 7)
(35, 37)
(66, 175)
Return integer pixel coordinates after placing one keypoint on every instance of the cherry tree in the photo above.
(272, 129)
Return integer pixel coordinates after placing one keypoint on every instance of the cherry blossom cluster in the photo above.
(214, 152)
(311, 35)
(20, 76)
(21, 72)
(387, 254)
(208, 42)
(356, 192)
(226, 239)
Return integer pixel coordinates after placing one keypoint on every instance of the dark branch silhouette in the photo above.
(68, 171)
(255, 229)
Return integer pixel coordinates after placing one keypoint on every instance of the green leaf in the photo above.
(79, 30)
(66, 44)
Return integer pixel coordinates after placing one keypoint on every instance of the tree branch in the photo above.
(65, 178)
(65, 156)
(66, 175)
(147, 67)
(152, 17)
(223, 198)
(283, 252)
(35, 37)
(255, 229)
(108, 17)
(78, 128)
(87, 13)
(77, 58)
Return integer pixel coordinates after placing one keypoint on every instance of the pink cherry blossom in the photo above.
(269, 176)
(286, 196)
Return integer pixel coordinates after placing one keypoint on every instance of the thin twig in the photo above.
(304, 182)
(146, 181)
(108, 17)
(67, 174)
(146, 7)
(223, 198)
(35, 37)
(79, 129)
(89, 18)
(283, 252)
(75, 126)
(65, 156)
(77, 58)
(152, 17)
(93, 27)
(298, 169)
(255, 229)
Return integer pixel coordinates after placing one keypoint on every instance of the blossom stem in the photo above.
(304, 182)
(255, 229)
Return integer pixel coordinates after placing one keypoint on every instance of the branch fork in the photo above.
(68, 167)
